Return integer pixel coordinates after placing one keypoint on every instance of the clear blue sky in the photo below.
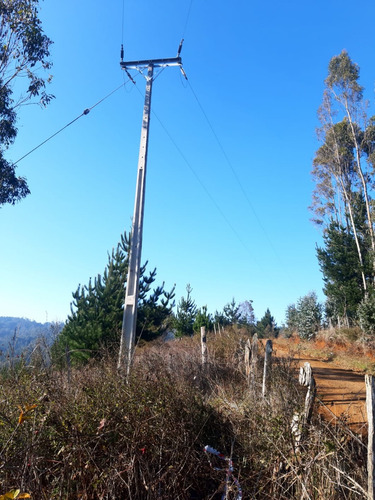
(257, 69)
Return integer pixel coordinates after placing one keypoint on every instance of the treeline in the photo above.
(95, 321)
(343, 206)
(16, 334)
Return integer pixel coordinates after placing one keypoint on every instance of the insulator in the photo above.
(179, 48)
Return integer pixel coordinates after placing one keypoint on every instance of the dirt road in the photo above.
(341, 391)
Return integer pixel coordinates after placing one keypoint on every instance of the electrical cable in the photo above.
(187, 19)
(205, 189)
(84, 113)
(235, 174)
(123, 20)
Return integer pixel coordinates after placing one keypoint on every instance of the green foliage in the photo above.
(366, 314)
(342, 274)
(24, 50)
(231, 313)
(219, 318)
(186, 314)
(267, 327)
(203, 318)
(96, 315)
(343, 76)
(241, 314)
(291, 318)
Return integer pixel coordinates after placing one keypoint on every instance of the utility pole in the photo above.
(129, 321)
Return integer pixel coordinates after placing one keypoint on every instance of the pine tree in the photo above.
(95, 321)
(203, 318)
(342, 274)
(267, 327)
(231, 312)
(186, 314)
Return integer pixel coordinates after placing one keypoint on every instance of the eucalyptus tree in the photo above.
(309, 316)
(344, 164)
(343, 87)
(24, 59)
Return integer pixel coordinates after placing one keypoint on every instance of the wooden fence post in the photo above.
(204, 346)
(370, 406)
(247, 358)
(301, 421)
(267, 362)
(254, 359)
(306, 378)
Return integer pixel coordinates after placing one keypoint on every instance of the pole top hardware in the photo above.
(157, 63)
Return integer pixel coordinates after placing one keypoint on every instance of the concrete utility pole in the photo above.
(131, 296)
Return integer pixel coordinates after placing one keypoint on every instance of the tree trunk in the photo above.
(364, 185)
(352, 223)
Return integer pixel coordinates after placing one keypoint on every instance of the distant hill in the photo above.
(21, 332)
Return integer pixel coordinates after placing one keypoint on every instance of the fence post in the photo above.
(247, 358)
(204, 346)
(301, 421)
(254, 359)
(370, 406)
(307, 379)
(267, 362)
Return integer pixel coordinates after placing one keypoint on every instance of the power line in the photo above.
(234, 173)
(187, 19)
(217, 206)
(84, 113)
(122, 23)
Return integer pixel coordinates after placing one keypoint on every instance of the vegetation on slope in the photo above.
(88, 434)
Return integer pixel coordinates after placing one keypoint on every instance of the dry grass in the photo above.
(102, 438)
(344, 347)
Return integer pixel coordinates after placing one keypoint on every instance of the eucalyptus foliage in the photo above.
(309, 316)
(366, 315)
(24, 60)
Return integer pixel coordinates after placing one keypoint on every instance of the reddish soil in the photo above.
(342, 392)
